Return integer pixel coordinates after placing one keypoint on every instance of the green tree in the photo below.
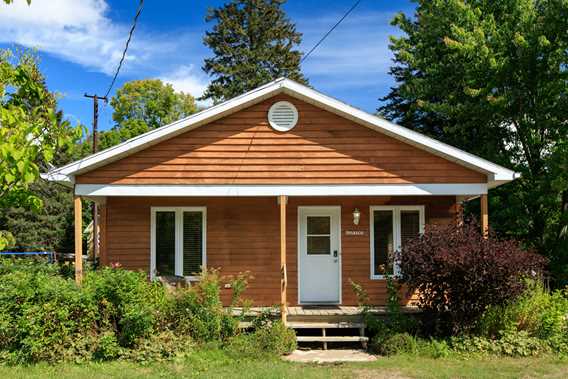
(143, 105)
(491, 77)
(253, 42)
(32, 132)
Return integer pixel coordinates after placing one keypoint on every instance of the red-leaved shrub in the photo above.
(458, 273)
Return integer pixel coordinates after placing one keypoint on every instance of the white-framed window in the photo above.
(390, 228)
(178, 241)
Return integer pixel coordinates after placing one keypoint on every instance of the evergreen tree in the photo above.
(253, 42)
(490, 77)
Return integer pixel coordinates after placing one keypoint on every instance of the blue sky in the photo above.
(80, 43)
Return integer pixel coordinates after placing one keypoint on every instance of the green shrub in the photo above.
(198, 311)
(400, 343)
(161, 346)
(107, 347)
(127, 302)
(537, 312)
(434, 348)
(513, 344)
(276, 338)
(271, 339)
(44, 317)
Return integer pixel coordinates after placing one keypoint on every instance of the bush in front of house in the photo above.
(117, 314)
(459, 274)
(272, 338)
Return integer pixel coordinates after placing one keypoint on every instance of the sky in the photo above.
(79, 43)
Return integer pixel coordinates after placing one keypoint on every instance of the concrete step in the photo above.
(325, 325)
(332, 339)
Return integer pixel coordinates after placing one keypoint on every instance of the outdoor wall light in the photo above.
(356, 216)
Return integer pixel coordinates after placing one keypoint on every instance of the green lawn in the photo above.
(217, 364)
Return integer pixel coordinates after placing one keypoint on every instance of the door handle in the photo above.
(335, 253)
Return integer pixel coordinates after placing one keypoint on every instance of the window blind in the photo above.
(192, 243)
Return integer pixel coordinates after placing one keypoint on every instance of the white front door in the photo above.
(319, 250)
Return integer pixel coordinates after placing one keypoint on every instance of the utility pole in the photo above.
(95, 131)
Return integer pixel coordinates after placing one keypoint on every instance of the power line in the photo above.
(330, 30)
(140, 5)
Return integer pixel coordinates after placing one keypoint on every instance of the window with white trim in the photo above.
(178, 241)
(390, 228)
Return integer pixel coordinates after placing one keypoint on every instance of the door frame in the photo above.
(336, 208)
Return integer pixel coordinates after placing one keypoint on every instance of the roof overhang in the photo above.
(496, 175)
(247, 190)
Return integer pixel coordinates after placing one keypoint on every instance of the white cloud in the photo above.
(75, 30)
(186, 79)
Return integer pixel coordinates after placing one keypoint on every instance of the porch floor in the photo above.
(320, 310)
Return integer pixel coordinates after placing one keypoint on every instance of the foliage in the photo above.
(537, 312)
(48, 229)
(32, 132)
(253, 42)
(399, 343)
(490, 77)
(127, 303)
(114, 314)
(272, 339)
(198, 310)
(43, 317)
(434, 348)
(459, 274)
(143, 105)
(513, 344)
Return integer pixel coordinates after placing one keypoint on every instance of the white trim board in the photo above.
(496, 174)
(181, 190)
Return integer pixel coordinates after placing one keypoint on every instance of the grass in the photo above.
(218, 364)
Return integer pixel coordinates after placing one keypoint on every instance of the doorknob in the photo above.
(335, 253)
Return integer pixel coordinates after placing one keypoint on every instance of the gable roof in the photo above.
(496, 174)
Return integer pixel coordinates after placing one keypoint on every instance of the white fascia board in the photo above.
(248, 190)
(58, 178)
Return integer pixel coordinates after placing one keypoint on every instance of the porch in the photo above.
(267, 236)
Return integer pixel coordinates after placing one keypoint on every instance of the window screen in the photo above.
(318, 235)
(409, 225)
(165, 243)
(192, 243)
(384, 241)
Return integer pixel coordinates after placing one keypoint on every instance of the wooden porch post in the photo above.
(484, 216)
(78, 239)
(282, 200)
(102, 234)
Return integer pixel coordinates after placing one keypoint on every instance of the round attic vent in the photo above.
(282, 116)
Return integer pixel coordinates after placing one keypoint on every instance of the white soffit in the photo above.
(496, 174)
(245, 190)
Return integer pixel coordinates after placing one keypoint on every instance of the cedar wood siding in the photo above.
(243, 149)
(243, 235)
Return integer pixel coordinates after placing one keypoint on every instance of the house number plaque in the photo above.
(354, 232)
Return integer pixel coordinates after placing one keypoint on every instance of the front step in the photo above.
(302, 327)
(325, 325)
(332, 339)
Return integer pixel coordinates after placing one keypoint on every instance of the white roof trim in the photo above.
(244, 190)
(496, 174)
